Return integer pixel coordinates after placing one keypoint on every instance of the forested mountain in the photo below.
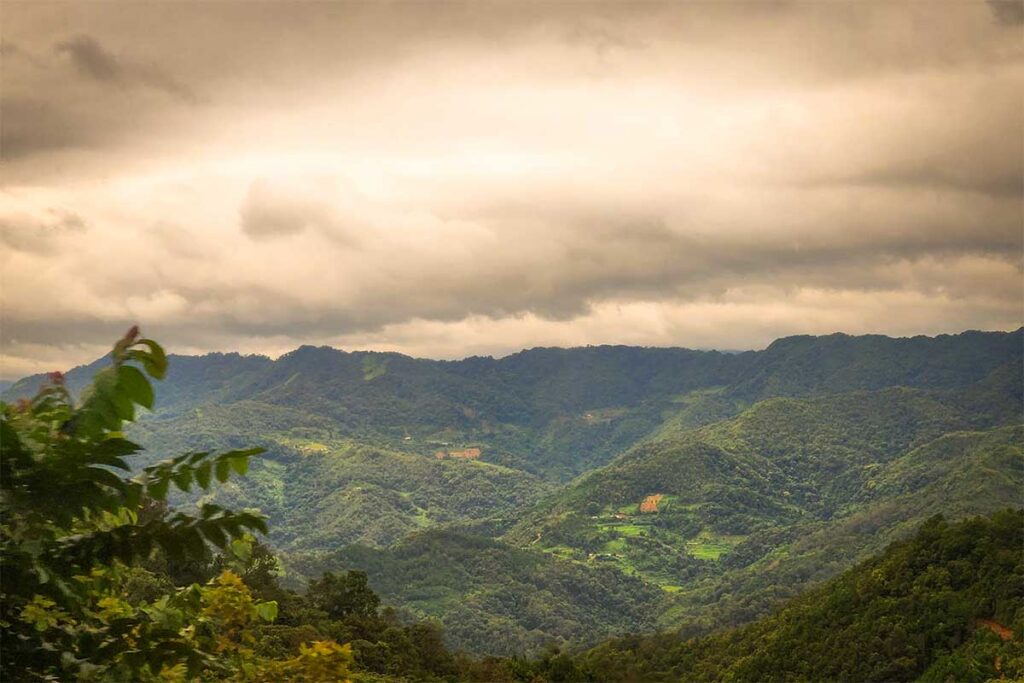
(803, 365)
(946, 605)
(553, 412)
(728, 549)
(496, 599)
(565, 495)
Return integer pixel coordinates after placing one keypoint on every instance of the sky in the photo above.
(446, 179)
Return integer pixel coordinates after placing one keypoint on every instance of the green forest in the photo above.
(830, 508)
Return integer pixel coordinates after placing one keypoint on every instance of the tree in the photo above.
(344, 595)
(74, 527)
(252, 560)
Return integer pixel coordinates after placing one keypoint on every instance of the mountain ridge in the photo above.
(10, 383)
(769, 470)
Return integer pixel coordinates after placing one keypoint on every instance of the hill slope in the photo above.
(496, 599)
(558, 412)
(735, 516)
(947, 604)
(322, 492)
(698, 487)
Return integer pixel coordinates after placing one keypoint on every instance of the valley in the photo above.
(564, 496)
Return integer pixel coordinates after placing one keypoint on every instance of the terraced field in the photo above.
(644, 539)
(710, 546)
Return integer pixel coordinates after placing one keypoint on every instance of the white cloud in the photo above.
(493, 178)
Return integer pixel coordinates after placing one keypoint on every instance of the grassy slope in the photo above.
(915, 610)
(495, 598)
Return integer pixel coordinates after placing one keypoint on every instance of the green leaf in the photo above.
(242, 549)
(193, 458)
(240, 464)
(183, 479)
(194, 543)
(154, 360)
(158, 358)
(251, 521)
(210, 510)
(202, 474)
(119, 463)
(267, 610)
(108, 412)
(117, 446)
(123, 404)
(247, 452)
(132, 495)
(171, 543)
(223, 470)
(105, 477)
(158, 489)
(214, 534)
(134, 383)
(104, 382)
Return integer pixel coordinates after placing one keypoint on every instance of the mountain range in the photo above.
(569, 495)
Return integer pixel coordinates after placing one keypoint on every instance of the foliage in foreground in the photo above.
(75, 599)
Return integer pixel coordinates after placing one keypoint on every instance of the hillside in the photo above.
(557, 413)
(323, 492)
(496, 599)
(807, 456)
(947, 604)
(969, 473)
(752, 509)
(805, 365)
(630, 487)
(551, 412)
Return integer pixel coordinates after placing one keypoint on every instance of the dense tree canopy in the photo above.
(947, 605)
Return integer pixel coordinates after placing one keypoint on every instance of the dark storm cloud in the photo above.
(557, 263)
(32, 124)
(102, 100)
(93, 61)
(269, 211)
(30, 117)
(1010, 12)
(12, 53)
(1006, 185)
(33, 235)
(246, 311)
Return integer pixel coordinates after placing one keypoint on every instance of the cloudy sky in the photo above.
(454, 179)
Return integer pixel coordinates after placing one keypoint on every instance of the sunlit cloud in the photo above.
(478, 179)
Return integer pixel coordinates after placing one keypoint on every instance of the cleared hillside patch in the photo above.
(650, 503)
